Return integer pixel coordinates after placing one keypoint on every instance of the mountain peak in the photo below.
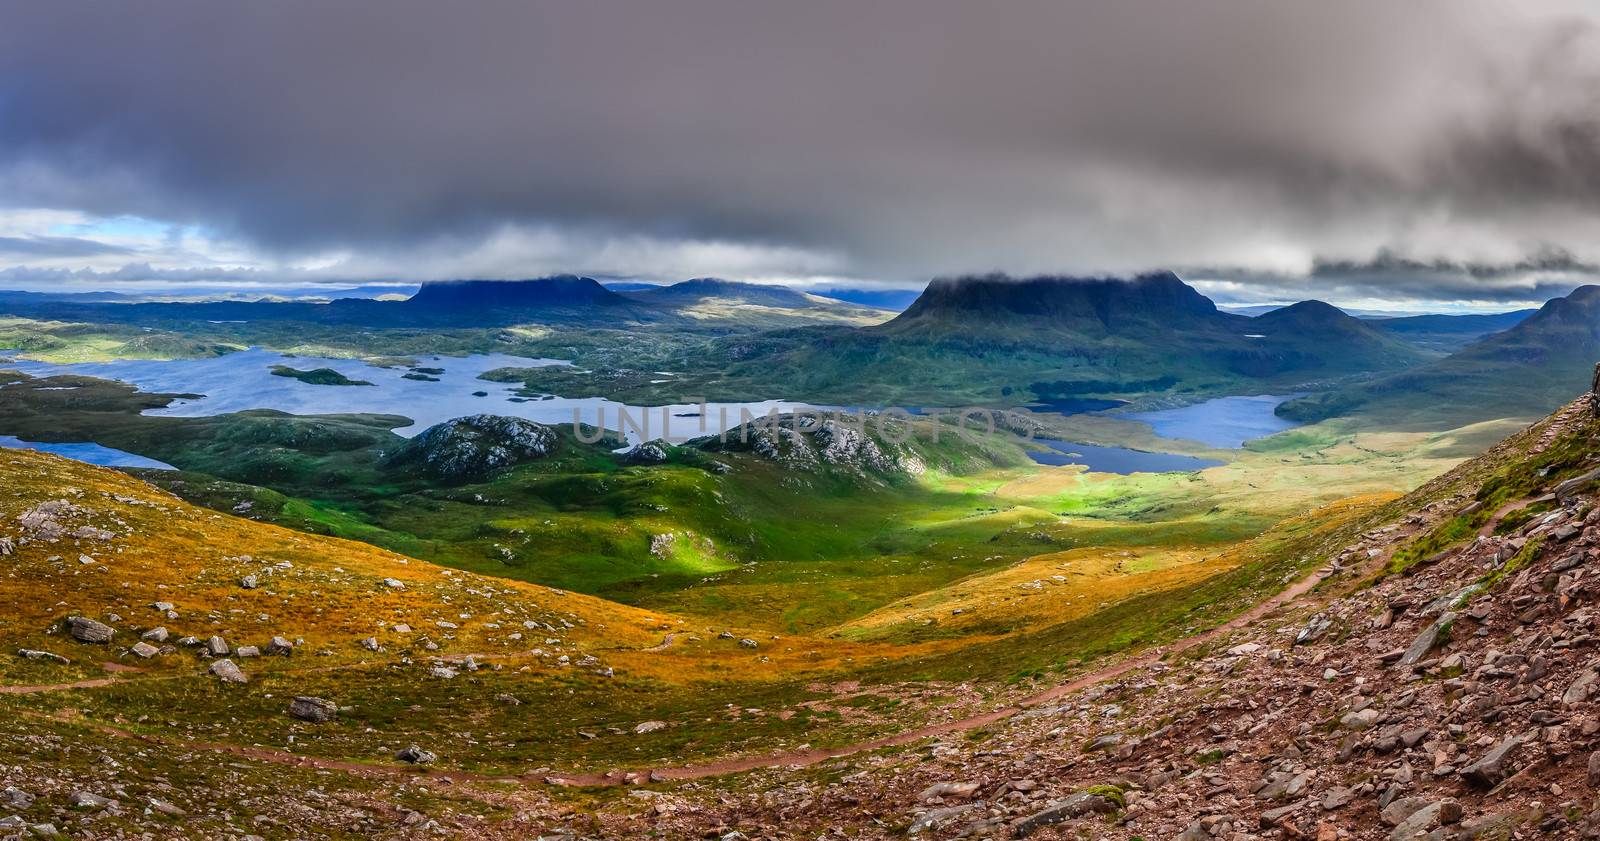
(1312, 307)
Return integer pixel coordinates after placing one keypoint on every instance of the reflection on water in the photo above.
(244, 380)
(1225, 423)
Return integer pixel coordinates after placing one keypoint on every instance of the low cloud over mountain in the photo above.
(1401, 151)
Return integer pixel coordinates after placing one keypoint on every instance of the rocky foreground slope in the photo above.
(1439, 684)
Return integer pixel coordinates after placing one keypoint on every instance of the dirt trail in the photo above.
(91, 683)
(781, 759)
(1504, 511)
(666, 643)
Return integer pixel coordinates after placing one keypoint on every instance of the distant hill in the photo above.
(753, 304)
(1449, 333)
(1525, 371)
(1359, 344)
(704, 288)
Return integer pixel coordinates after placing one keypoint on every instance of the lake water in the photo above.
(91, 453)
(244, 380)
(241, 381)
(1118, 459)
(1224, 423)
(1075, 405)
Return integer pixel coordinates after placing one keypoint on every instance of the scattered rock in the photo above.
(1489, 771)
(416, 756)
(954, 790)
(1426, 640)
(88, 800)
(314, 710)
(228, 671)
(1076, 805)
(84, 629)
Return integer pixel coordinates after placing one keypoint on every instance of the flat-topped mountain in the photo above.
(1104, 305)
(1525, 371)
(560, 291)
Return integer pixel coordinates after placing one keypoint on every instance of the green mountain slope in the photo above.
(1525, 371)
(1449, 333)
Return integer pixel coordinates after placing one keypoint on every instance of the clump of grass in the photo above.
(1110, 792)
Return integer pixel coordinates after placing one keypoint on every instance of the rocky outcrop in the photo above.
(810, 444)
(473, 447)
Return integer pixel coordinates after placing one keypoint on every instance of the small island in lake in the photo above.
(316, 376)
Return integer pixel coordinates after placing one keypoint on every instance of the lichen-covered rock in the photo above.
(84, 629)
(228, 672)
(476, 446)
(314, 710)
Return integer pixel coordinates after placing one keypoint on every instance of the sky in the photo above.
(1375, 154)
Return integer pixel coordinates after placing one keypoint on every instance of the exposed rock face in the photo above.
(475, 446)
(808, 443)
(649, 452)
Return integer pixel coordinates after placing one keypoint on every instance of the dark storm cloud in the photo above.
(34, 247)
(886, 140)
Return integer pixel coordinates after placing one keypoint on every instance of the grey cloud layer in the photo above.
(894, 139)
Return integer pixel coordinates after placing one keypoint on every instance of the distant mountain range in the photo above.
(1450, 333)
(1524, 371)
(992, 337)
(984, 339)
(560, 300)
